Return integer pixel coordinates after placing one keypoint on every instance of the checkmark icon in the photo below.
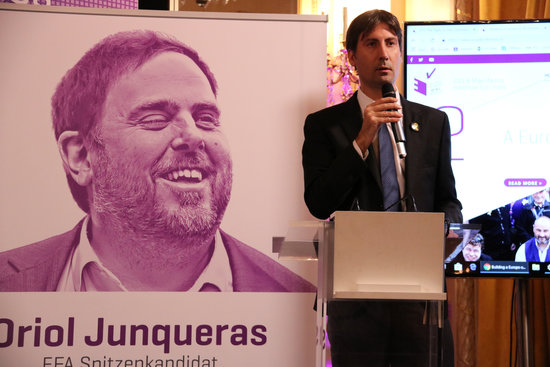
(430, 74)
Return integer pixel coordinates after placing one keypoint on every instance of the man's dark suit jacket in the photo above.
(38, 267)
(336, 178)
(526, 220)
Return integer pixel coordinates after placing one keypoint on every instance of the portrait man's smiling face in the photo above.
(541, 231)
(161, 164)
(471, 252)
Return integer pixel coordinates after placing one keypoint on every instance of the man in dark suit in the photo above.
(537, 206)
(499, 235)
(342, 171)
(138, 128)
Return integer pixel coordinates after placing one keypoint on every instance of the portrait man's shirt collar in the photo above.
(85, 272)
(217, 273)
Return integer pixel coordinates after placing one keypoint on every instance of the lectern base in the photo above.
(383, 333)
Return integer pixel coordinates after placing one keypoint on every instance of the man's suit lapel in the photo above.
(351, 124)
(413, 137)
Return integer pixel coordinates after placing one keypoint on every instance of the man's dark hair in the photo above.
(77, 104)
(478, 240)
(365, 23)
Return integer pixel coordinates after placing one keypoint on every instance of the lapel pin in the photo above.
(415, 126)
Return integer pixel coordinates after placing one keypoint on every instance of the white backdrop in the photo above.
(271, 73)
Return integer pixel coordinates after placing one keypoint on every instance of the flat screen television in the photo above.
(492, 78)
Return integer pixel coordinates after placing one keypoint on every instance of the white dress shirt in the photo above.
(85, 272)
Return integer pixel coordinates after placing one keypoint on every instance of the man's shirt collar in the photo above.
(218, 271)
(365, 100)
(85, 272)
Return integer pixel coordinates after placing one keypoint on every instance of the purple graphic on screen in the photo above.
(457, 126)
(460, 122)
(138, 127)
(421, 87)
(479, 59)
(525, 182)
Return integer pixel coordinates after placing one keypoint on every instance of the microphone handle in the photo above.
(399, 136)
(397, 128)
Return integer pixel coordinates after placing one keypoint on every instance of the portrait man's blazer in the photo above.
(38, 267)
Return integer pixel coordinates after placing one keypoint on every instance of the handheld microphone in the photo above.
(397, 128)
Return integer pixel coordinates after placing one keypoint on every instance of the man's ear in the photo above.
(351, 58)
(75, 156)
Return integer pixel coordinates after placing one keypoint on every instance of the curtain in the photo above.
(484, 317)
(502, 9)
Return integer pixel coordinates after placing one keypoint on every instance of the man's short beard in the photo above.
(193, 220)
(127, 203)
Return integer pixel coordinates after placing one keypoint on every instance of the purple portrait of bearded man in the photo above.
(139, 132)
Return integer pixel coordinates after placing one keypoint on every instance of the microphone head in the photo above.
(387, 90)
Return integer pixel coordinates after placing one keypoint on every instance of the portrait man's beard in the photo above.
(127, 199)
(542, 239)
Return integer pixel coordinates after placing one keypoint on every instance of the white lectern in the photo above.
(374, 256)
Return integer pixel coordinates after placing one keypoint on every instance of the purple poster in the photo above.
(151, 154)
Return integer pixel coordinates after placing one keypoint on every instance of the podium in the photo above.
(378, 256)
